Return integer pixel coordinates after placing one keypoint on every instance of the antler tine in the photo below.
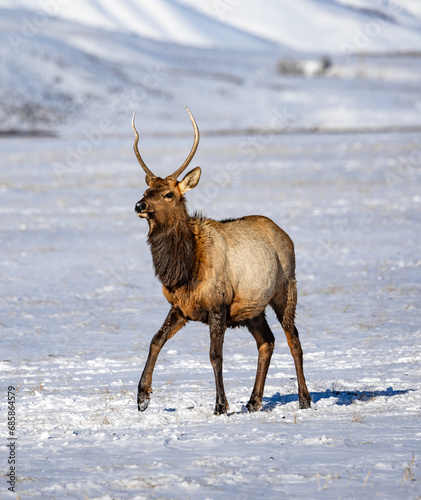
(136, 151)
(193, 149)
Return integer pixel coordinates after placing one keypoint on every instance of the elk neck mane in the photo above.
(174, 253)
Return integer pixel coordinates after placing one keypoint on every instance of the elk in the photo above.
(221, 273)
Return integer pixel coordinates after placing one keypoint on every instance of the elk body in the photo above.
(222, 273)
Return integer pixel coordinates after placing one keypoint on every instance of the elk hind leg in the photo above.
(284, 308)
(304, 398)
(265, 341)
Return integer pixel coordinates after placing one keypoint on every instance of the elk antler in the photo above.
(136, 151)
(193, 149)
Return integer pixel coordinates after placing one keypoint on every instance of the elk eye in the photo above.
(169, 195)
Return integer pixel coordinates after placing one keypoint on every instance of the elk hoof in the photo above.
(142, 402)
(252, 407)
(220, 409)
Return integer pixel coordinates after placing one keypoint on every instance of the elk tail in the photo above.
(288, 321)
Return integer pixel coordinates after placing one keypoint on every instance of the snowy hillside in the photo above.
(61, 76)
(311, 25)
(333, 26)
(163, 20)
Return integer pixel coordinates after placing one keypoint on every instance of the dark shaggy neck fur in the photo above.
(173, 254)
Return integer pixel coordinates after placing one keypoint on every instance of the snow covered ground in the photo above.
(333, 156)
(80, 304)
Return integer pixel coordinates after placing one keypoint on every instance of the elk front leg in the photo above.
(173, 322)
(217, 327)
(265, 344)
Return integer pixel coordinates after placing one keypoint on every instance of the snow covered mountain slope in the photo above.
(332, 26)
(66, 72)
(58, 75)
(163, 20)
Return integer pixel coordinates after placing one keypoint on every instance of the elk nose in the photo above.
(140, 207)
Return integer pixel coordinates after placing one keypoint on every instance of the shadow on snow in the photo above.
(342, 397)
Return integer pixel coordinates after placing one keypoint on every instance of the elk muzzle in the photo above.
(140, 208)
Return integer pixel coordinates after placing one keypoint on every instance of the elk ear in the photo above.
(190, 180)
(148, 179)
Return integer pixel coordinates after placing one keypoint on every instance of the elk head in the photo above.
(163, 201)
